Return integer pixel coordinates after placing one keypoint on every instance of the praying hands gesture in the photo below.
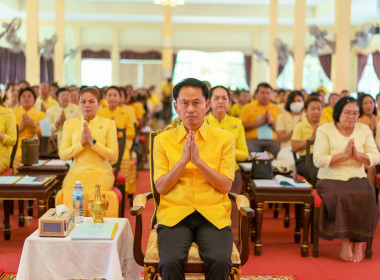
(86, 135)
(190, 150)
(27, 121)
(351, 152)
(61, 119)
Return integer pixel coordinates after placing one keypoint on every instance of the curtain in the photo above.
(248, 68)
(12, 66)
(96, 54)
(362, 61)
(174, 62)
(280, 69)
(376, 63)
(136, 55)
(46, 70)
(325, 61)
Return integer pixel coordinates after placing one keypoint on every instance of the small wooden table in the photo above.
(60, 170)
(40, 192)
(282, 195)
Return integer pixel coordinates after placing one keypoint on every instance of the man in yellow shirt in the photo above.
(193, 173)
(58, 114)
(259, 120)
(166, 93)
(44, 101)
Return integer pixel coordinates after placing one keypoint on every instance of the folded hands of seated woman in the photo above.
(86, 135)
(1, 136)
(27, 121)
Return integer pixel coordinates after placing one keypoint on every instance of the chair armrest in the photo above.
(139, 203)
(138, 207)
(242, 204)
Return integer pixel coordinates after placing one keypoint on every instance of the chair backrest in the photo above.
(309, 162)
(121, 140)
(134, 139)
(14, 149)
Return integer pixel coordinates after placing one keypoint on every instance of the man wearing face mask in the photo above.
(286, 123)
(259, 120)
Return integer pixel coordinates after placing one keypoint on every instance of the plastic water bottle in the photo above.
(78, 202)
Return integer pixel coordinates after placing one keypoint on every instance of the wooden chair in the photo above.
(317, 206)
(195, 265)
(119, 176)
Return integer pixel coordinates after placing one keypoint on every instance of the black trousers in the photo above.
(255, 145)
(215, 248)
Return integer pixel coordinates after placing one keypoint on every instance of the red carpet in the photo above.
(280, 255)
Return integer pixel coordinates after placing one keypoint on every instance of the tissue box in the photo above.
(52, 225)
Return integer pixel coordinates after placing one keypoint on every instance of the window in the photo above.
(96, 72)
(313, 75)
(218, 68)
(369, 82)
(286, 79)
(141, 72)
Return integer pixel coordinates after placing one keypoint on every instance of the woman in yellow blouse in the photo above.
(27, 119)
(124, 120)
(219, 103)
(342, 148)
(91, 141)
(11, 95)
(8, 136)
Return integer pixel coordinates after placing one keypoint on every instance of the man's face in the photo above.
(191, 107)
(64, 98)
(263, 95)
(44, 90)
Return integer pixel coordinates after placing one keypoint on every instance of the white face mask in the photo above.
(296, 107)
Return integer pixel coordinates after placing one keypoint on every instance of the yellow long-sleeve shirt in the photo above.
(8, 128)
(235, 126)
(89, 159)
(48, 103)
(192, 192)
(54, 113)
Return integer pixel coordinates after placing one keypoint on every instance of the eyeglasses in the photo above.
(351, 113)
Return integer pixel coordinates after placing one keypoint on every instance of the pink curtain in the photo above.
(12, 66)
(96, 54)
(248, 68)
(325, 61)
(46, 70)
(376, 63)
(280, 69)
(174, 62)
(362, 61)
(137, 55)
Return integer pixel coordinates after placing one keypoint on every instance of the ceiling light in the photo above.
(171, 3)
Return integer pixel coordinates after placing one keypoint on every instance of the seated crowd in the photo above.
(84, 120)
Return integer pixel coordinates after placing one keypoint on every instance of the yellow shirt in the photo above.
(235, 110)
(234, 126)
(28, 132)
(192, 192)
(54, 113)
(167, 90)
(286, 122)
(254, 110)
(327, 114)
(48, 103)
(122, 118)
(329, 141)
(8, 128)
(89, 159)
(302, 131)
(139, 109)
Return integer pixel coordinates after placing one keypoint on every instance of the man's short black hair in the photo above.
(291, 98)
(338, 108)
(190, 82)
(264, 85)
(60, 90)
(214, 88)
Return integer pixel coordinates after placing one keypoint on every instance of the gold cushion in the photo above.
(151, 255)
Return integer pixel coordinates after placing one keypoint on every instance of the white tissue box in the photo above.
(52, 225)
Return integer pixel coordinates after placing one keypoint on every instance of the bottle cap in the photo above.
(78, 183)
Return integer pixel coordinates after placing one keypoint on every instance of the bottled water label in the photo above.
(78, 202)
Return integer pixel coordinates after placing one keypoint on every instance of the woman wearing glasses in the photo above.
(341, 150)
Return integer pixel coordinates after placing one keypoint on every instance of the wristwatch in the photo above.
(93, 142)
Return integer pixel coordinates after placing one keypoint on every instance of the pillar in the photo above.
(273, 31)
(299, 41)
(32, 57)
(341, 61)
(167, 50)
(59, 48)
(78, 56)
(115, 56)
